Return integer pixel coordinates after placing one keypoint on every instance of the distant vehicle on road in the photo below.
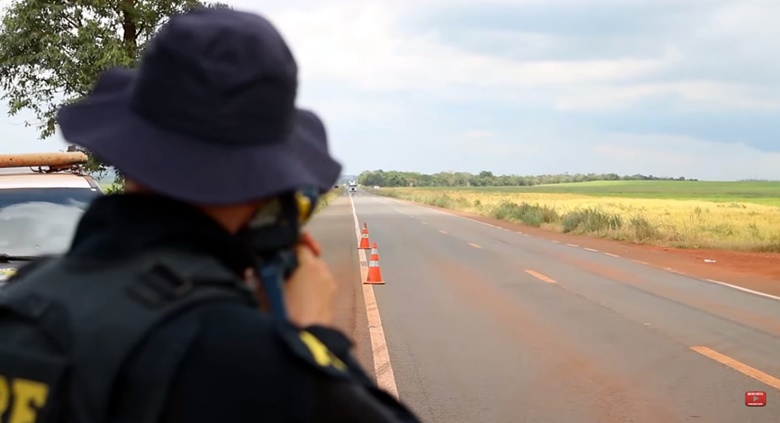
(352, 187)
(42, 198)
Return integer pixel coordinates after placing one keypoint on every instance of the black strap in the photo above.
(150, 375)
(146, 320)
(50, 316)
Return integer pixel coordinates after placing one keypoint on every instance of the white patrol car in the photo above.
(42, 198)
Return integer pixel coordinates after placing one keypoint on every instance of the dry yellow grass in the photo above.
(328, 198)
(690, 223)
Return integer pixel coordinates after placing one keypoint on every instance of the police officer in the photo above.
(149, 316)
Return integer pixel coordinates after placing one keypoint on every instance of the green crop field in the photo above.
(758, 192)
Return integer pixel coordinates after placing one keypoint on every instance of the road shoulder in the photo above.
(334, 229)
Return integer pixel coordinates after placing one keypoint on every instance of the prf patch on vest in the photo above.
(27, 385)
(308, 347)
(21, 399)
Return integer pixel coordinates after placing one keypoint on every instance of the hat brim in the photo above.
(196, 170)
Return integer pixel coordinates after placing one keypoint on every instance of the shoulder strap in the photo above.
(112, 307)
(147, 382)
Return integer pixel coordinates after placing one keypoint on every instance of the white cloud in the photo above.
(479, 134)
(701, 95)
(360, 43)
(673, 155)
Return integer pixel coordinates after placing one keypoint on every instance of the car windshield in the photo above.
(39, 221)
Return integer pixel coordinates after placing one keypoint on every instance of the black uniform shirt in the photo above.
(242, 365)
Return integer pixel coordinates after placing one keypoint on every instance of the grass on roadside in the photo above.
(328, 198)
(677, 223)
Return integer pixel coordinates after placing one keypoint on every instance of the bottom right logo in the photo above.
(755, 398)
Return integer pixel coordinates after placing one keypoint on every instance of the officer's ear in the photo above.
(132, 186)
(244, 214)
(233, 217)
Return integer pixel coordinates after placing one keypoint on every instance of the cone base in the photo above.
(374, 276)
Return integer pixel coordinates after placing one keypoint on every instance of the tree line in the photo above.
(393, 178)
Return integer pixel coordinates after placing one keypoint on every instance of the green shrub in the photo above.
(643, 229)
(531, 214)
(591, 220)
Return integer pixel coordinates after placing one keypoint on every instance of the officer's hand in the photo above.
(310, 291)
(309, 241)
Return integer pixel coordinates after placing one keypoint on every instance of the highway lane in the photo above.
(487, 325)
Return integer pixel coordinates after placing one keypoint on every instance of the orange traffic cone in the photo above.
(374, 272)
(364, 238)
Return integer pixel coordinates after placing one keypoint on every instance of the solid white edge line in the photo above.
(382, 367)
(739, 288)
(749, 291)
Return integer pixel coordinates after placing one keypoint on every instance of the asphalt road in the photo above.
(483, 324)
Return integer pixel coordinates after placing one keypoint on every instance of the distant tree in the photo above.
(52, 51)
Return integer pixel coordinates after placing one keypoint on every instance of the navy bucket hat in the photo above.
(209, 116)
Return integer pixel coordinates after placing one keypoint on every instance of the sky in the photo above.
(663, 87)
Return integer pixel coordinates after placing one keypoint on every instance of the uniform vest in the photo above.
(68, 326)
